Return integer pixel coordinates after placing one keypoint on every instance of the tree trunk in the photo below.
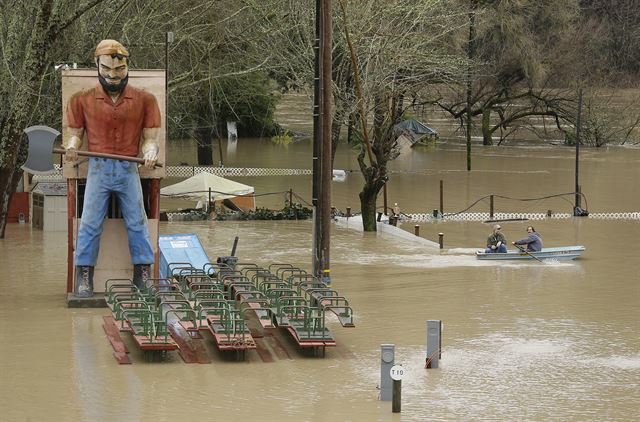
(375, 175)
(13, 146)
(487, 138)
(352, 122)
(399, 107)
(204, 139)
(5, 196)
(368, 197)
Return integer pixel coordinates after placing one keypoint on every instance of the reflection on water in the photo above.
(521, 341)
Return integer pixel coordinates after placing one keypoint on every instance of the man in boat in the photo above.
(496, 241)
(533, 240)
(118, 119)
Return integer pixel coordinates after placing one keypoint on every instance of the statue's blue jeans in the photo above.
(107, 176)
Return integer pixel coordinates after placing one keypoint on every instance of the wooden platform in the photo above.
(120, 350)
(96, 301)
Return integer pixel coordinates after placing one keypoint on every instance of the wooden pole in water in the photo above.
(441, 197)
(416, 229)
(396, 400)
(470, 56)
(441, 240)
(220, 147)
(384, 191)
(317, 143)
(326, 163)
(491, 206)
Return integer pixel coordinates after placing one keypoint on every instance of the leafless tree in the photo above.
(212, 54)
(30, 37)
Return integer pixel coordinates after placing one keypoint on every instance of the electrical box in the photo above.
(434, 343)
(387, 360)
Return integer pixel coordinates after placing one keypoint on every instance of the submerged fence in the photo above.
(436, 215)
(515, 216)
(188, 171)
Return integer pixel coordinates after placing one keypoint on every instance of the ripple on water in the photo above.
(622, 362)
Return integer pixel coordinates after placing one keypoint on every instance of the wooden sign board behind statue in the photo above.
(114, 260)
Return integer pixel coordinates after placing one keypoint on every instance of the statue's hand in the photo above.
(150, 154)
(71, 154)
(72, 145)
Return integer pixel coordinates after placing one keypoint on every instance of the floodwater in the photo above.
(521, 341)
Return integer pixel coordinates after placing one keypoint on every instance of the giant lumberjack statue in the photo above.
(118, 119)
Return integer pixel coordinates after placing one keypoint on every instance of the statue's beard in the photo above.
(112, 88)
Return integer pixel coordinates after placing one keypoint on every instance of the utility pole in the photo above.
(317, 144)
(322, 166)
(327, 167)
(577, 207)
(470, 57)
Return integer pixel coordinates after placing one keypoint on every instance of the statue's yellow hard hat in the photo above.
(109, 47)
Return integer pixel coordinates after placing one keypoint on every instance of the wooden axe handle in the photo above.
(105, 155)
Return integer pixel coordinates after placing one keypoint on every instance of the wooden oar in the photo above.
(528, 253)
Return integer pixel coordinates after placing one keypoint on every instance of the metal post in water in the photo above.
(387, 359)
(416, 229)
(434, 343)
(348, 212)
(235, 245)
(441, 240)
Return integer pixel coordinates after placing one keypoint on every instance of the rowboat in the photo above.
(561, 253)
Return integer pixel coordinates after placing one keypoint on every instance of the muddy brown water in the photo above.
(521, 341)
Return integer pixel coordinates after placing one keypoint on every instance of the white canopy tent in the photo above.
(199, 187)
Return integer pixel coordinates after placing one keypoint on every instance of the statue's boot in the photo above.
(141, 276)
(84, 281)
